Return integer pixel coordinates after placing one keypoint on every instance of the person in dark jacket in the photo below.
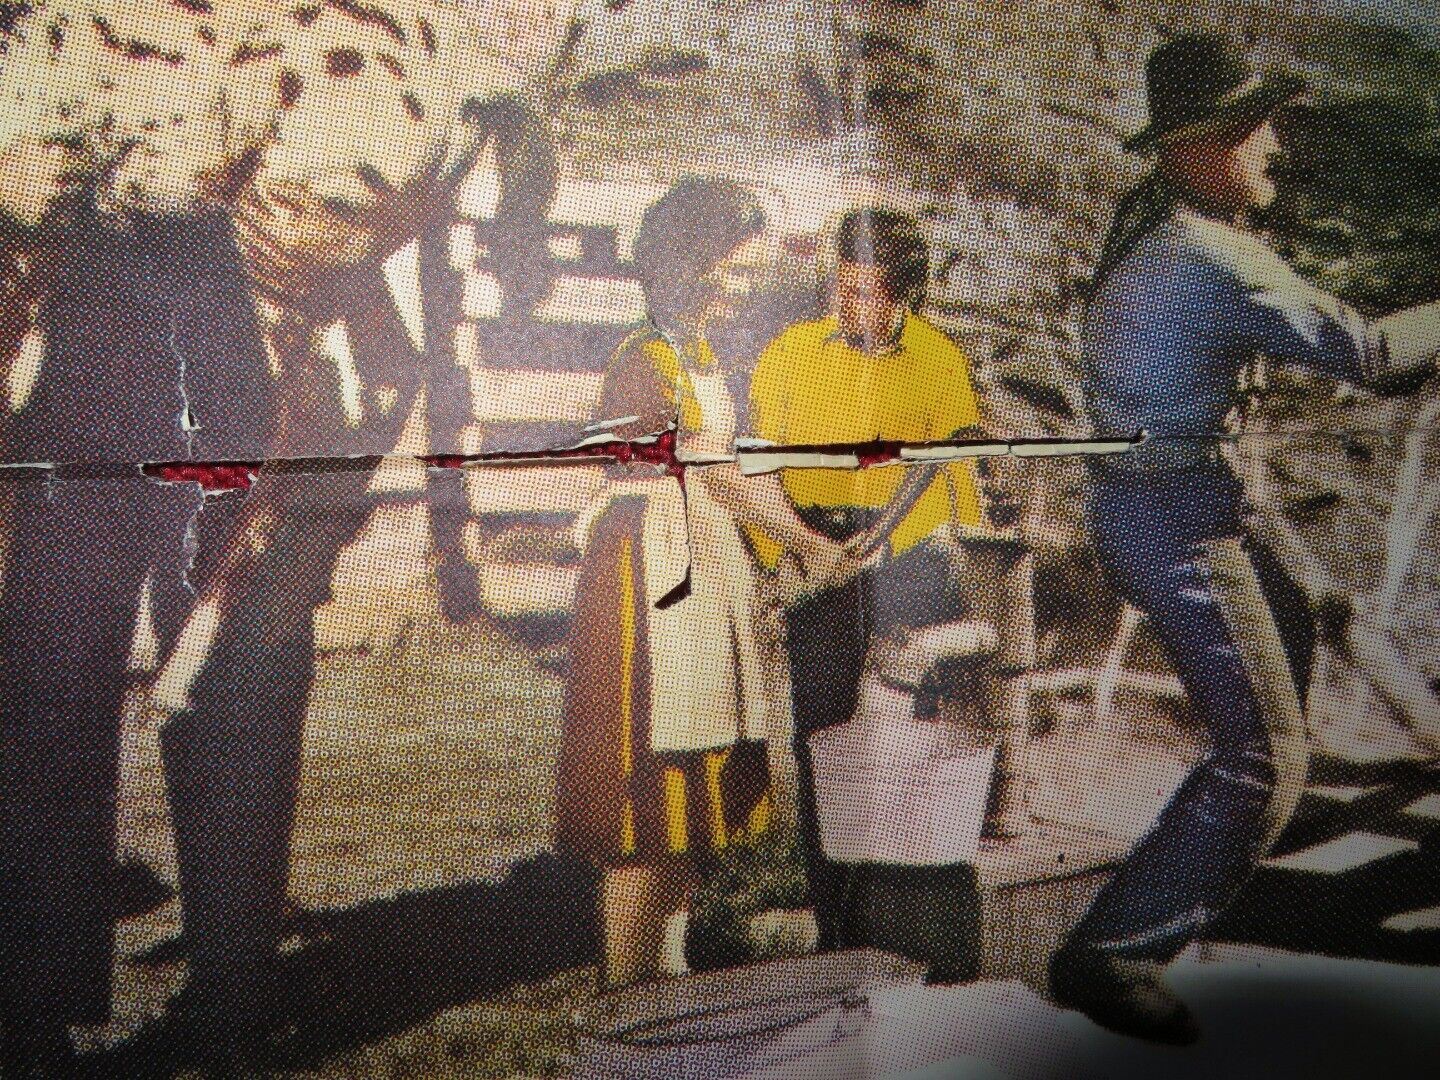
(139, 327)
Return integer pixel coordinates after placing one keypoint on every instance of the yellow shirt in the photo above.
(812, 388)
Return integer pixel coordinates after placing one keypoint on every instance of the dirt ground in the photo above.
(433, 933)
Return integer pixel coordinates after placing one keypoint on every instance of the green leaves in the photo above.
(1359, 206)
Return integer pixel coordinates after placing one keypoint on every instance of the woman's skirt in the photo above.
(617, 800)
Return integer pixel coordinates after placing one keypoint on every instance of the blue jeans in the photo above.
(1238, 635)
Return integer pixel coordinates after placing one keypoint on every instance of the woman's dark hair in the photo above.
(684, 234)
(892, 243)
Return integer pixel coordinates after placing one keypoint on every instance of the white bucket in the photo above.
(904, 792)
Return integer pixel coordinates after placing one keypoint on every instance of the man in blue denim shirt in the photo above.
(1185, 298)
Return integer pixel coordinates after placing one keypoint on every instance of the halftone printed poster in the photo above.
(629, 539)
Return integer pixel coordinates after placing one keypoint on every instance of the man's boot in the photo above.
(1126, 996)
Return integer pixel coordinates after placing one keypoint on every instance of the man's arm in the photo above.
(1292, 321)
(957, 408)
(957, 416)
(760, 502)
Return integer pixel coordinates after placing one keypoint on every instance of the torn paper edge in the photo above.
(755, 461)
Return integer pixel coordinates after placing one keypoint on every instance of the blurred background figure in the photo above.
(313, 143)
(105, 307)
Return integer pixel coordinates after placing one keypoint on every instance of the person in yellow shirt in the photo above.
(873, 370)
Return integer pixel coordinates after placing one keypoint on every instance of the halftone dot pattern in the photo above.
(285, 675)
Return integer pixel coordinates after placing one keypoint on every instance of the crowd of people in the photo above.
(657, 771)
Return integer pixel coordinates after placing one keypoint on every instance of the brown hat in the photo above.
(1200, 82)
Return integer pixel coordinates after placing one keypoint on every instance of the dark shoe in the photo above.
(1126, 996)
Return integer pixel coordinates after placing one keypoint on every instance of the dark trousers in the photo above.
(232, 761)
(77, 556)
(1239, 636)
(827, 638)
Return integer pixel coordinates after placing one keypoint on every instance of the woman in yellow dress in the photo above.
(663, 759)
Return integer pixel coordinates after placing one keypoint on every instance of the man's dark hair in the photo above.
(892, 243)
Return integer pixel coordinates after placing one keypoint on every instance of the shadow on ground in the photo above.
(375, 970)
(365, 973)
